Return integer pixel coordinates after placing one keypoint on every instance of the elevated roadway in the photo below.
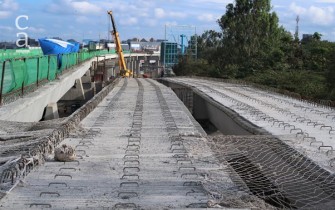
(308, 127)
(139, 149)
(30, 108)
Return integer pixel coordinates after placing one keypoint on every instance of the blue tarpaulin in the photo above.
(58, 47)
(55, 47)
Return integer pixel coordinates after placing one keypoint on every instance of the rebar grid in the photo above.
(276, 172)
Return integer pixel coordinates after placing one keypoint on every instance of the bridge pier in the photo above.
(51, 112)
(76, 92)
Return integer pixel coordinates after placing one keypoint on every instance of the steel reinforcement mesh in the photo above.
(277, 173)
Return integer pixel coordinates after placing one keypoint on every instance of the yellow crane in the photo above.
(124, 72)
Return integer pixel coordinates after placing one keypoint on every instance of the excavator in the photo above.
(124, 72)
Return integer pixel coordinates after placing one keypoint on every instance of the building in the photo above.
(148, 47)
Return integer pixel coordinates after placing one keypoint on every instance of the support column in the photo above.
(51, 112)
(137, 68)
(76, 92)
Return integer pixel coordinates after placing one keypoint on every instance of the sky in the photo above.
(88, 19)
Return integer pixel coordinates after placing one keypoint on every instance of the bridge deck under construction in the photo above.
(140, 148)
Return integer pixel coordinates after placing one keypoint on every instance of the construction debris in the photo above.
(65, 153)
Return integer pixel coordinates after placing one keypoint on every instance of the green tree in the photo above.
(250, 33)
(317, 36)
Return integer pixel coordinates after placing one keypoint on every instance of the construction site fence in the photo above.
(19, 53)
(17, 75)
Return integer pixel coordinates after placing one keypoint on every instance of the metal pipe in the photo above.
(2, 80)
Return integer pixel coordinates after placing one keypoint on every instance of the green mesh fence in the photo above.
(31, 71)
(18, 67)
(8, 83)
(27, 71)
(19, 53)
(43, 68)
(52, 67)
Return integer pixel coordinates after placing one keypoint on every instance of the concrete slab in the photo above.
(135, 158)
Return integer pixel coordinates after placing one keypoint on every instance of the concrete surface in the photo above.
(307, 127)
(139, 149)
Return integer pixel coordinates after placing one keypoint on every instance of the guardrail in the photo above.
(21, 75)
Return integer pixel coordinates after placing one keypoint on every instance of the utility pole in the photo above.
(296, 34)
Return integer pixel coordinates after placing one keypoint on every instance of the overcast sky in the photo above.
(80, 19)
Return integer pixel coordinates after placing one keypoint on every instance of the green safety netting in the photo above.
(43, 68)
(52, 67)
(31, 71)
(8, 84)
(26, 71)
(18, 68)
(19, 53)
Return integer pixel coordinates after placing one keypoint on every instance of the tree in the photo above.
(330, 73)
(135, 39)
(317, 36)
(207, 44)
(250, 31)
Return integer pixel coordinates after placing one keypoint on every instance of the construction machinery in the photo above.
(124, 72)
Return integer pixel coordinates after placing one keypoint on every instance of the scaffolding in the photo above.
(180, 40)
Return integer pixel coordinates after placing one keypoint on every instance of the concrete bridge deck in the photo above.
(140, 148)
(307, 127)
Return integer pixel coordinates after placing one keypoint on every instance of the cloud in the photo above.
(321, 16)
(207, 17)
(7, 7)
(6, 28)
(4, 14)
(150, 22)
(159, 13)
(171, 23)
(73, 7)
(177, 14)
(82, 19)
(36, 30)
(297, 9)
(214, 1)
(317, 15)
(129, 21)
(326, 1)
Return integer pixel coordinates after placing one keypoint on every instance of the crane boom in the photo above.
(122, 64)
